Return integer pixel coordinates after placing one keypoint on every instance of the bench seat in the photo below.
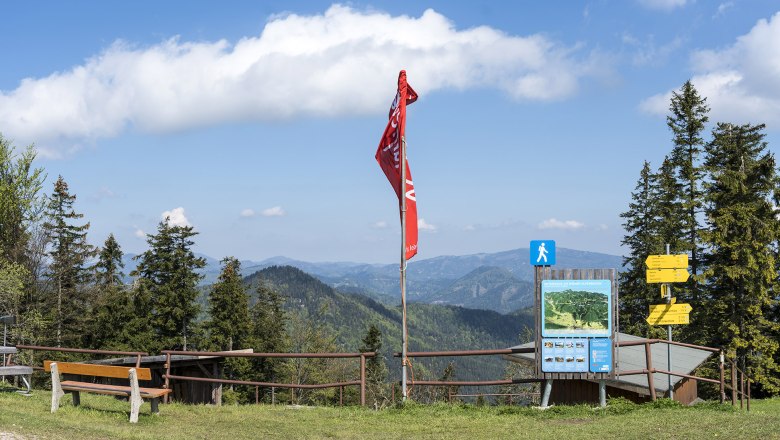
(114, 390)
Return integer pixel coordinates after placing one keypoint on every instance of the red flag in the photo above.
(388, 154)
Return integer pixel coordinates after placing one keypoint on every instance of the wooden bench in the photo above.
(9, 369)
(133, 391)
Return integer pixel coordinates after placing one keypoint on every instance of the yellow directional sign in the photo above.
(667, 275)
(667, 261)
(667, 314)
(674, 309)
(669, 319)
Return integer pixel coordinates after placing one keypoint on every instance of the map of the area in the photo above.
(577, 308)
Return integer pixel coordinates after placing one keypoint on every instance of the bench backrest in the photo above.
(97, 370)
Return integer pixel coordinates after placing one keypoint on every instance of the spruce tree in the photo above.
(269, 332)
(167, 273)
(687, 120)
(376, 368)
(69, 252)
(229, 322)
(741, 236)
(113, 311)
(641, 224)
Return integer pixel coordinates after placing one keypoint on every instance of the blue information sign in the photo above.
(565, 355)
(542, 252)
(600, 355)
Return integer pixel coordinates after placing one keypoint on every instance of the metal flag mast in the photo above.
(404, 332)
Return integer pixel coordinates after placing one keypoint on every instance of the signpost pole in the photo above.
(669, 336)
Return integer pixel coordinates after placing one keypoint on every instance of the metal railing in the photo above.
(361, 382)
(737, 388)
(458, 353)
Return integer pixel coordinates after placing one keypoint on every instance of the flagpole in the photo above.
(404, 333)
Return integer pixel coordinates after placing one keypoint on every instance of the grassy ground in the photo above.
(102, 417)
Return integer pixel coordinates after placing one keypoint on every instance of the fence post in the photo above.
(167, 373)
(649, 367)
(257, 394)
(362, 379)
(722, 380)
(733, 383)
(748, 391)
(341, 395)
(741, 388)
(138, 361)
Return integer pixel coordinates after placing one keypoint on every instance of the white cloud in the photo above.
(139, 233)
(380, 225)
(176, 217)
(740, 82)
(341, 62)
(663, 5)
(247, 213)
(469, 228)
(567, 225)
(276, 211)
(647, 52)
(722, 8)
(425, 226)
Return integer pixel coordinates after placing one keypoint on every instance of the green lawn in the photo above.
(102, 417)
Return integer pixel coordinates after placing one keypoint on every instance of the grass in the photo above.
(102, 417)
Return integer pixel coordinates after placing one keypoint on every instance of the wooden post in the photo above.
(722, 380)
(167, 383)
(741, 388)
(341, 395)
(748, 392)
(362, 379)
(649, 367)
(257, 394)
(733, 383)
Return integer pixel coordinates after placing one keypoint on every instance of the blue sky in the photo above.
(257, 122)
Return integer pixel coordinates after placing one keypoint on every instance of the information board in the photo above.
(600, 355)
(565, 355)
(576, 308)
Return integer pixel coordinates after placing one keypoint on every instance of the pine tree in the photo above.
(167, 272)
(269, 333)
(689, 115)
(229, 323)
(69, 252)
(641, 224)
(742, 234)
(376, 368)
(108, 270)
(113, 311)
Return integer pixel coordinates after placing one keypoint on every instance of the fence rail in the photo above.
(361, 382)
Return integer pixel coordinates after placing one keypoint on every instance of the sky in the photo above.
(257, 122)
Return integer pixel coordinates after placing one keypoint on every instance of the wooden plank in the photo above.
(98, 370)
(113, 390)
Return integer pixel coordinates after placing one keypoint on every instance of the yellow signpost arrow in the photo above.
(667, 275)
(667, 261)
(659, 309)
(669, 314)
(669, 319)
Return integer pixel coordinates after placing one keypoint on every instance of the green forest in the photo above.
(713, 197)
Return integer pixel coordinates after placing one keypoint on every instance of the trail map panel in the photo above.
(576, 308)
(565, 355)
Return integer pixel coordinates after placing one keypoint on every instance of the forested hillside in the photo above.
(431, 326)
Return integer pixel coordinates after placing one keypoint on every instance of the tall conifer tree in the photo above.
(642, 239)
(113, 312)
(687, 120)
(167, 274)
(742, 235)
(69, 252)
(229, 322)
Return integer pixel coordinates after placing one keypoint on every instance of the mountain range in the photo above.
(500, 281)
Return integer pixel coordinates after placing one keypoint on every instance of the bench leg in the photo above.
(155, 408)
(76, 398)
(56, 388)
